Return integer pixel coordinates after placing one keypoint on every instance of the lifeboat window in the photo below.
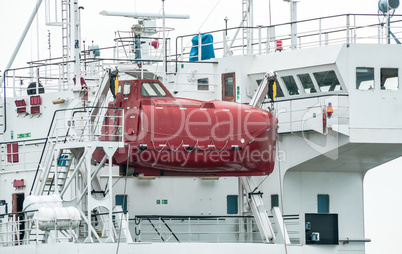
(279, 92)
(389, 79)
(152, 89)
(291, 85)
(364, 78)
(327, 81)
(203, 84)
(307, 83)
(126, 88)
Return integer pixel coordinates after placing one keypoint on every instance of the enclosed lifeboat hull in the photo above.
(183, 137)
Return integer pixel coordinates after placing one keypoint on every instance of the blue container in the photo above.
(207, 48)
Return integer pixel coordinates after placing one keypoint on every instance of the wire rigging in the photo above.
(205, 20)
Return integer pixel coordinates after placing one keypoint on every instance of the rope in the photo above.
(157, 149)
(172, 148)
(208, 16)
(182, 136)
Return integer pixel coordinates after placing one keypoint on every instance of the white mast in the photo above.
(76, 42)
(293, 26)
(164, 38)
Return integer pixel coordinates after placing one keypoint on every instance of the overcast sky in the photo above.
(382, 185)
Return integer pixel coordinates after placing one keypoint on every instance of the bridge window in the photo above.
(291, 85)
(389, 79)
(364, 78)
(152, 89)
(307, 83)
(203, 84)
(327, 81)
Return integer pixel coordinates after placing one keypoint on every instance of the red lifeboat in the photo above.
(164, 135)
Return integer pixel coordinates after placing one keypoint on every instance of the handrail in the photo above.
(5, 89)
(22, 212)
(196, 217)
(177, 54)
(295, 98)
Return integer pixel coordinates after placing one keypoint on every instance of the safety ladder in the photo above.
(58, 172)
(65, 31)
(247, 32)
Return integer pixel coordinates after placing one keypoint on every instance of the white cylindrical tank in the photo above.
(35, 202)
(57, 218)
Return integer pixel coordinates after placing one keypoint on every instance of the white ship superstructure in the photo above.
(338, 93)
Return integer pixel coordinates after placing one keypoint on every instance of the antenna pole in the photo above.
(388, 24)
(164, 41)
(270, 16)
(293, 19)
(77, 44)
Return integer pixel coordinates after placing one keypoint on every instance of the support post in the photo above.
(110, 151)
(259, 211)
(199, 46)
(282, 235)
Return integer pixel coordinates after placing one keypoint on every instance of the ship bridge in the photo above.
(337, 102)
(345, 63)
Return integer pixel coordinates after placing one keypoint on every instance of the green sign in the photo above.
(163, 201)
(24, 135)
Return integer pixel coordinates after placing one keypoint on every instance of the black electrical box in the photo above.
(321, 228)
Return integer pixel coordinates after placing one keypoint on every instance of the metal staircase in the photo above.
(58, 173)
(72, 138)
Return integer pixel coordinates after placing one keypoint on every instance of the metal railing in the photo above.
(346, 28)
(27, 154)
(214, 229)
(19, 229)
